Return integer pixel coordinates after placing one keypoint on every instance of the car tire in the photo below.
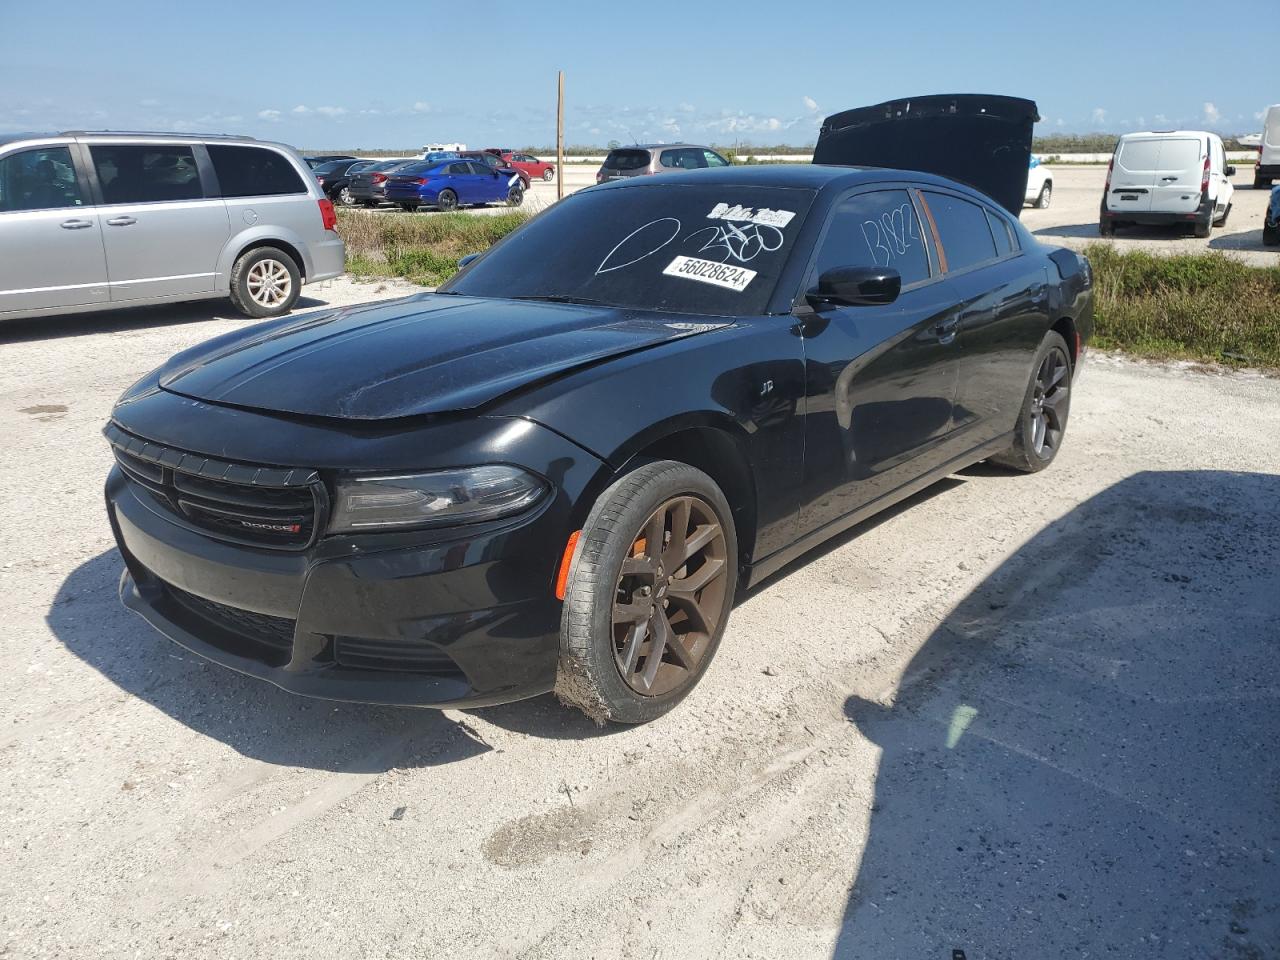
(1106, 228)
(1046, 195)
(345, 197)
(1262, 183)
(515, 195)
(548, 175)
(1271, 236)
(265, 282)
(621, 594)
(1222, 221)
(1042, 419)
(447, 201)
(1202, 230)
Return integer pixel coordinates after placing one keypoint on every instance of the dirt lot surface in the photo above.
(1020, 717)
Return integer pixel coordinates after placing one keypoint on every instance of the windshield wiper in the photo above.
(561, 298)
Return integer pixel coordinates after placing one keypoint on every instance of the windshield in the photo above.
(713, 250)
(331, 166)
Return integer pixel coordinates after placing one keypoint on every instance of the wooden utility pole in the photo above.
(560, 137)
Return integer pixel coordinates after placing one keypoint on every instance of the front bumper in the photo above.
(462, 616)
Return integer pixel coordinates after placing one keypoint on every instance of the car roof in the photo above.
(1162, 134)
(814, 176)
(660, 146)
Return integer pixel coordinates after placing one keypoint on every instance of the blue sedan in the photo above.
(451, 183)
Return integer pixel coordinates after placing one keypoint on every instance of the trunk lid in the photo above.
(979, 139)
(427, 354)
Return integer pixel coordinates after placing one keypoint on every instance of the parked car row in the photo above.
(475, 176)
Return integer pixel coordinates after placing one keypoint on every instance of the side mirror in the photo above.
(855, 286)
(466, 261)
(1231, 171)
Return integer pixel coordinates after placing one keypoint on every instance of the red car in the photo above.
(535, 168)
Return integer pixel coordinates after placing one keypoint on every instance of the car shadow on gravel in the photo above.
(132, 318)
(1081, 760)
(252, 717)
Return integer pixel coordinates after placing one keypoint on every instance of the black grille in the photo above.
(398, 655)
(274, 632)
(280, 507)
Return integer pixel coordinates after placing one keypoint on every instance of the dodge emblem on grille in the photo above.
(273, 527)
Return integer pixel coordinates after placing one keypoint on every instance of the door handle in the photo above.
(75, 224)
(945, 330)
(121, 221)
(1166, 179)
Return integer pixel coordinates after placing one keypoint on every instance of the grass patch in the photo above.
(1195, 307)
(420, 247)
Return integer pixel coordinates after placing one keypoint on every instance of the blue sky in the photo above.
(751, 71)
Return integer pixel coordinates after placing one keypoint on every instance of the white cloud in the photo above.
(670, 125)
(422, 107)
(1259, 115)
(149, 102)
(1211, 113)
(331, 111)
(810, 104)
(301, 110)
(1059, 122)
(1099, 115)
(271, 116)
(686, 108)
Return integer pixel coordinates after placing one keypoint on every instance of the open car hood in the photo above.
(979, 139)
(426, 354)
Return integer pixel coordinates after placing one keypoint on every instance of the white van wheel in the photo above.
(1046, 194)
(1222, 221)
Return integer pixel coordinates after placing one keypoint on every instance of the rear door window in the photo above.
(627, 159)
(254, 172)
(963, 229)
(875, 229)
(41, 179)
(683, 159)
(1139, 154)
(146, 173)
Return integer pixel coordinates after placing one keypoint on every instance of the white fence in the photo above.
(808, 157)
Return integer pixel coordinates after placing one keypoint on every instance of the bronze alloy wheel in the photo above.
(669, 596)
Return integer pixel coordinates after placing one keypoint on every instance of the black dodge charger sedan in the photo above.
(556, 472)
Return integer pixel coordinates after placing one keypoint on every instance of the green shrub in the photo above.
(424, 248)
(1194, 306)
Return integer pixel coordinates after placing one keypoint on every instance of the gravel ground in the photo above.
(1020, 716)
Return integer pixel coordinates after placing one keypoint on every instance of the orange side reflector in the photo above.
(562, 579)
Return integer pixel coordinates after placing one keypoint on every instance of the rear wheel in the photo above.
(447, 201)
(1202, 229)
(548, 175)
(1261, 183)
(408, 207)
(1106, 227)
(1046, 195)
(1271, 235)
(649, 593)
(346, 198)
(1042, 424)
(1222, 221)
(265, 282)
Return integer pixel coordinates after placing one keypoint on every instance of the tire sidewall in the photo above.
(586, 633)
(239, 283)
(1036, 462)
(445, 205)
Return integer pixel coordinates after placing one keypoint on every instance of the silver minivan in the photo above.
(99, 221)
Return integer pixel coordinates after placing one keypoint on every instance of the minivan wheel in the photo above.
(1046, 195)
(648, 594)
(265, 282)
(1042, 424)
(447, 201)
(1106, 228)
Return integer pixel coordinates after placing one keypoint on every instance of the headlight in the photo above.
(433, 499)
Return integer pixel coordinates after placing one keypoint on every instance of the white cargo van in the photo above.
(1268, 168)
(1167, 177)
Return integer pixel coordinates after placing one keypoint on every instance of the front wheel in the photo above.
(1106, 227)
(265, 282)
(1222, 221)
(548, 175)
(1042, 422)
(648, 594)
(1046, 195)
(515, 196)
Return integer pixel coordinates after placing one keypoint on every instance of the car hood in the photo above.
(427, 354)
(979, 139)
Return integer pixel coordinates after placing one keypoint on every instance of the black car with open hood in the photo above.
(983, 140)
(556, 472)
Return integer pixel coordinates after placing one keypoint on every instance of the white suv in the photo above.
(98, 221)
(1170, 177)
